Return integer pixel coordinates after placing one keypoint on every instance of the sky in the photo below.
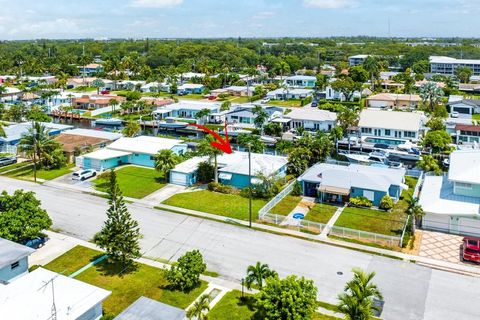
(67, 19)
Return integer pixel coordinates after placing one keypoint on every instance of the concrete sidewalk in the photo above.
(331, 222)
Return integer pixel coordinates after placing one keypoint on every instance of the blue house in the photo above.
(139, 151)
(13, 260)
(339, 183)
(190, 88)
(233, 169)
(14, 132)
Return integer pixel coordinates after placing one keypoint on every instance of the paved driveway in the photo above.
(66, 179)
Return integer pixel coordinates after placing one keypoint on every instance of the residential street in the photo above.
(410, 291)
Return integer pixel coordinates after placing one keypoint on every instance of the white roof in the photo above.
(237, 162)
(290, 91)
(191, 86)
(192, 75)
(104, 154)
(29, 298)
(313, 114)
(300, 77)
(15, 131)
(437, 197)
(354, 175)
(144, 144)
(192, 105)
(95, 134)
(465, 166)
(396, 120)
(190, 165)
(443, 59)
(359, 56)
(11, 90)
(11, 252)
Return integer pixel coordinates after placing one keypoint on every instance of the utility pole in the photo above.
(34, 131)
(249, 186)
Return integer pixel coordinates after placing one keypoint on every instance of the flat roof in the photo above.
(437, 197)
(465, 166)
(190, 165)
(94, 133)
(147, 309)
(144, 144)
(105, 153)
(237, 162)
(443, 59)
(313, 114)
(14, 132)
(396, 120)
(11, 252)
(70, 141)
(395, 97)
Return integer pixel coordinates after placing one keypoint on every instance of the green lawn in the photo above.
(239, 99)
(14, 166)
(375, 221)
(286, 103)
(73, 260)
(26, 172)
(228, 205)
(135, 182)
(476, 117)
(321, 213)
(286, 205)
(232, 307)
(144, 281)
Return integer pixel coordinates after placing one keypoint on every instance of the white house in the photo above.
(464, 106)
(357, 59)
(243, 114)
(300, 81)
(392, 124)
(30, 298)
(13, 260)
(448, 65)
(155, 87)
(312, 119)
(286, 94)
(10, 94)
(185, 109)
(332, 94)
(452, 202)
(393, 100)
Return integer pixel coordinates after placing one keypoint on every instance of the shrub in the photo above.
(185, 275)
(386, 203)
(205, 172)
(297, 189)
(360, 202)
(221, 188)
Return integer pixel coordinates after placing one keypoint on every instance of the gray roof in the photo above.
(468, 102)
(148, 309)
(11, 252)
(354, 175)
(15, 131)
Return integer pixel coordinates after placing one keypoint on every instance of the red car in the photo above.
(471, 249)
(105, 92)
(212, 98)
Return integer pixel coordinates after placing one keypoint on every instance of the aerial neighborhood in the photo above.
(278, 178)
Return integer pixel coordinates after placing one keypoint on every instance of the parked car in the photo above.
(212, 98)
(471, 249)
(314, 103)
(5, 161)
(36, 242)
(84, 174)
(105, 92)
(265, 100)
(454, 114)
(181, 93)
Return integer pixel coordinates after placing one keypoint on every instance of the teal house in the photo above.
(13, 260)
(338, 183)
(139, 151)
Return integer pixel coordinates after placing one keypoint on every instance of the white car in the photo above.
(84, 174)
(265, 100)
(454, 114)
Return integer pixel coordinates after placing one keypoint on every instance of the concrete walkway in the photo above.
(303, 206)
(164, 193)
(331, 222)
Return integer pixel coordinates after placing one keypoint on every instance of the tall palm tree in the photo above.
(165, 160)
(200, 308)
(260, 117)
(257, 274)
(204, 148)
(431, 93)
(414, 210)
(114, 103)
(373, 67)
(356, 303)
(131, 129)
(200, 115)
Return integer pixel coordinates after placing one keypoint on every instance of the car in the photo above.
(212, 98)
(265, 100)
(471, 249)
(36, 242)
(5, 161)
(454, 114)
(181, 93)
(105, 92)
(84, 174)
(314, 103)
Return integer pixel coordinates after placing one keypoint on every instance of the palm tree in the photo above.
(113, 103)
(165, 160)
(356, 303)
(431, 93)
(257, 274)
(200, 115)
(260, 117)
(131, 129)
(204, 148)
(414, 210)
(2, 131)
(200, 308)
(373, 67)
(98, 83)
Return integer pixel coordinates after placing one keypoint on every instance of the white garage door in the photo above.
(436, 222)
(470, 227)
(178, 178)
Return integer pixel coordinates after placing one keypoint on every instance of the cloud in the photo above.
(263, 15)
(329, 4)
(156, 3)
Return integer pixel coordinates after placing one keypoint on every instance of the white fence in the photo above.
(6, 148)
(300, 225)
(272, 203)
(365, 236)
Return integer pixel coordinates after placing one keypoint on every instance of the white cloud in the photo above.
(329, 4)
(264, 15)
(156, 3)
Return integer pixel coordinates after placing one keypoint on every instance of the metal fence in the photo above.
(273, 202)
(380, 239)
(294, 224)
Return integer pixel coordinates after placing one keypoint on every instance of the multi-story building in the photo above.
(357, 59)
(448, 65)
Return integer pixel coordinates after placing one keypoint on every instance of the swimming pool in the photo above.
(393, 142)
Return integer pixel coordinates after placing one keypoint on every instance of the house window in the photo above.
(366, 130)
(409, 134)
(463, 185)
(370, 195)
(152, 158)
(387, 132)
(15, 265)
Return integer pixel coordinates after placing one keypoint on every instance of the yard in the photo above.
(321, 213)
(286, 205)
(476, 116)
(286, 103)
(228, 205)
(135, 182)
(126, 288)
(24, 171)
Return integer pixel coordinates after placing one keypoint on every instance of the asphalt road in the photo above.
(410, 291)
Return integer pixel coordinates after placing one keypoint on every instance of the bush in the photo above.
(205, 172)
(186, 274)
(386, 203)
(305, 101)
(297, 189)
(360, 202)
(218, 187)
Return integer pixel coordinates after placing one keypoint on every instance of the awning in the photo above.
(281, 120)
(334, 190)
(162, 111)
(225, 176)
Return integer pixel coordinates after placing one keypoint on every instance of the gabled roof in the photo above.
(144, 144)
(147, 309)
(465, 166)
(468, 102)
(11, 252)
(467, 127)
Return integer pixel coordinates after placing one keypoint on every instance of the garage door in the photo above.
(462, 110)
(436, 222)
(178, 178)
(469, 227)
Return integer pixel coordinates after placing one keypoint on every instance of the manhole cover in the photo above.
(339, 273)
